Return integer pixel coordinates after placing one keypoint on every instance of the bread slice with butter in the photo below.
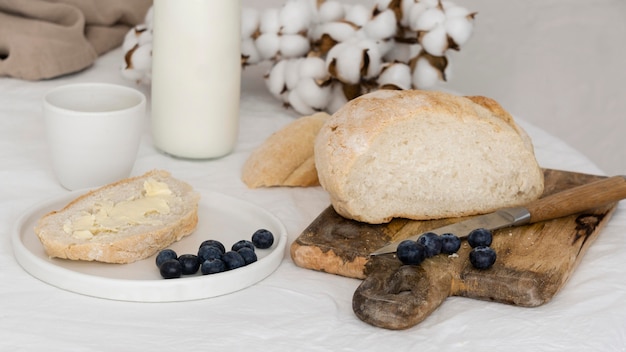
(122, 222)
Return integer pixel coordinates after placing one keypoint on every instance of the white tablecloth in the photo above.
(294, 308)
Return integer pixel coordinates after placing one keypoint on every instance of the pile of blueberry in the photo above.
(430, 244)
(212, 256)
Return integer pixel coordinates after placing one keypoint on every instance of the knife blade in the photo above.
(568, 202)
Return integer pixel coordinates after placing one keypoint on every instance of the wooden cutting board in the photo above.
(533, 261)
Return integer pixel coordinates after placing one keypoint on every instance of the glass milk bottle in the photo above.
(196, 70)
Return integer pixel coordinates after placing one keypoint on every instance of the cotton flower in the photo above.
(275, 79)
(139, 64)
(331, 11)
(428, 71)
(396, 75)
(250, 20)
(268, 45)
(441, 25)
(293, 45)
(324, 53)
(295, 16)
(381, 26)
(249, 53)
(353, 60)
(269, 21)
(358, 14)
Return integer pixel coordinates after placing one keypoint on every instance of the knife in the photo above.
(568, 202)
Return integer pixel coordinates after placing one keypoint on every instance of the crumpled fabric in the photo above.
(42, 39)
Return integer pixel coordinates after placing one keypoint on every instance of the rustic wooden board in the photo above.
(533, 264)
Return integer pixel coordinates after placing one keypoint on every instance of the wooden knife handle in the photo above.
(578, 199)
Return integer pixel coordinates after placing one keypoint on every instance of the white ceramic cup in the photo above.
(93, 132)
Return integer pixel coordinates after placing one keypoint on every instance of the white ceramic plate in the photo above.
(221, 217)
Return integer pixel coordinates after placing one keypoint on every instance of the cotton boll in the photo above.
(339, 31)
(269, 21)
(384, 46)
(358, 14)
(142, 57)
(249, 52)
(344, 61)
(428, 20)
(293, 45)
(133, 75)
(296, 102)
(149, 18)
(382, 5)
(337, 98)
(295, 16)
(131, 39)
(139, 35)
(275, 79)
(402, 52)
(139, 64)
(312, 94)
(250, 19)
(313, 67)
(331, 11)
(424, 74)
(405, 7)
(145, 37)
(453, 10)
(414, 12)
(396, 74)
(292, 72)
(268, 45)
(374, 57)
(435, 42)
(459, 29)
(381, 26)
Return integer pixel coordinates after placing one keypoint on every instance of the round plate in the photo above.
(221, 217)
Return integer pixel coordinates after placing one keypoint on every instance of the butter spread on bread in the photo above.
(424, 155)
(122, 222)
(109, 216)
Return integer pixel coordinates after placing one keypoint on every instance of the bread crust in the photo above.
(123, 247)
(428, 154)
(286, 157)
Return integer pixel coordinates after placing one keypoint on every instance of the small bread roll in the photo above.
(424, 155)
(286, 157)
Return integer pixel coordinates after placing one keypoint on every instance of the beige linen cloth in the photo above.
(42, 39)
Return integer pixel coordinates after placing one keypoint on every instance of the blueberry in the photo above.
(212, 266)
(190, 263)
(209, 252)
(482, 257)
(410, 252)
(432, 242)
(248, 255)
(171, 269)
(215, 243)
(164, 255)
(479, 237)
(450, 243)
(263, 238)
(241, 244)
(233, 260)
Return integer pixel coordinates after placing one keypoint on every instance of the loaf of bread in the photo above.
(286, 157)
(123, 222)
(424, 155)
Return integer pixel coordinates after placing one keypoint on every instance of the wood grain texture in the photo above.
(533, 264)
